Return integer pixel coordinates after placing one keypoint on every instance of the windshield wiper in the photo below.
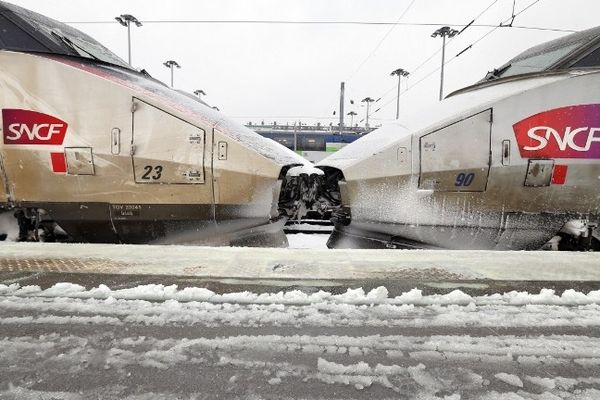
(73, 46)
(496, 73)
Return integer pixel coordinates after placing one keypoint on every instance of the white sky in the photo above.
(255, 72)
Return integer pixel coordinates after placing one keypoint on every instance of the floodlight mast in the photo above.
(171, 64)
(444, 32)
(351, 114)
(367, 100)
(400, 72)
(126, 20)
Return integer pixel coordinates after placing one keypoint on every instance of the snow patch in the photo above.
(510, 379)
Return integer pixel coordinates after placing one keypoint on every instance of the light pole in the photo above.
(199, 93)
(170, 64)
(126, 20)
(367, 100)
(444, 32)
(400, 72)
(351, 114)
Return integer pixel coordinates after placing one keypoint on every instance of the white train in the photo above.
(508, 163)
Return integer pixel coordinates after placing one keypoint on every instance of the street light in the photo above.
(199, 93)
(367, 100)
(126, 20)
(351, 114)
(444, 32)
(400, 72)
(170, 64)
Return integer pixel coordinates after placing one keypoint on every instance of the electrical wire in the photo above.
(381, 41)
(501, 25)
(435, 53)
(286, 22)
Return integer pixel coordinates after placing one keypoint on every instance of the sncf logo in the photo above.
(567, 132)
(31, 127)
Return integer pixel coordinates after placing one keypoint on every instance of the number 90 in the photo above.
(463, 179)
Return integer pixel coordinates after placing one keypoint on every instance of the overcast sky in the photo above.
(291, 72)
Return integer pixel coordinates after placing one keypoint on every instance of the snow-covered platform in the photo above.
(301, 264)
(175, 322)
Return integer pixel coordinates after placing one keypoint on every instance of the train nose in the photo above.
(301, 189)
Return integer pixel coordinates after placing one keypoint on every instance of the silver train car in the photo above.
(111, 155)
(510, 162)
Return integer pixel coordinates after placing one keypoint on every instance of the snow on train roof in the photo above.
(196, 111)
(435, 116)
(30, 32)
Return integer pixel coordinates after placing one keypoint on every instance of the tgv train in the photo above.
(508, 163)
(112, 155)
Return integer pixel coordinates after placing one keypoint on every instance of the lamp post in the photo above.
(351, 114)
(367, 100)
(126, 20)
(170, 64)
(400, 72)
(444, 32)
(199, 93)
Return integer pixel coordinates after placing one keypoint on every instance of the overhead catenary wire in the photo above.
(381, 41)
(392, 28)
(501, 25)
(435, 53)
(392, 25)
(292, 22)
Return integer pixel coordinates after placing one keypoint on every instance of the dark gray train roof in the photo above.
(578, 50)
(26, 31)
(580, 39)
(574, 50)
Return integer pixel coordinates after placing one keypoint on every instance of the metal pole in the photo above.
(398, 99)
(367, 117)
(342, 107)
(442, 73)
(171, 75)
(351, 120)
(129, 41)
(295, 139)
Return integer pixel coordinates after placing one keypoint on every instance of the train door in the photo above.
(456, 158)
(165, 149)
(172, 196)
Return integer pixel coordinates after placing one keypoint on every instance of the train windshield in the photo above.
(535, 63)
(26, 31)
(554, 55)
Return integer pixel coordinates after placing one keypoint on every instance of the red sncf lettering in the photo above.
(31, 127)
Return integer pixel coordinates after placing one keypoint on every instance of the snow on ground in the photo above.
(155, 341)
(307, 240)
(377, 296)
(8, 225)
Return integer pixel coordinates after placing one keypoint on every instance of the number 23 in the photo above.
(148, 170)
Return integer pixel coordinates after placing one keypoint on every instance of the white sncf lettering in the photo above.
(543, 135)
(37, 131)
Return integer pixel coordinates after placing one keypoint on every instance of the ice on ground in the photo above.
(510, 379)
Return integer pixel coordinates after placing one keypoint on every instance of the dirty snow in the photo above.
(154, 341)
